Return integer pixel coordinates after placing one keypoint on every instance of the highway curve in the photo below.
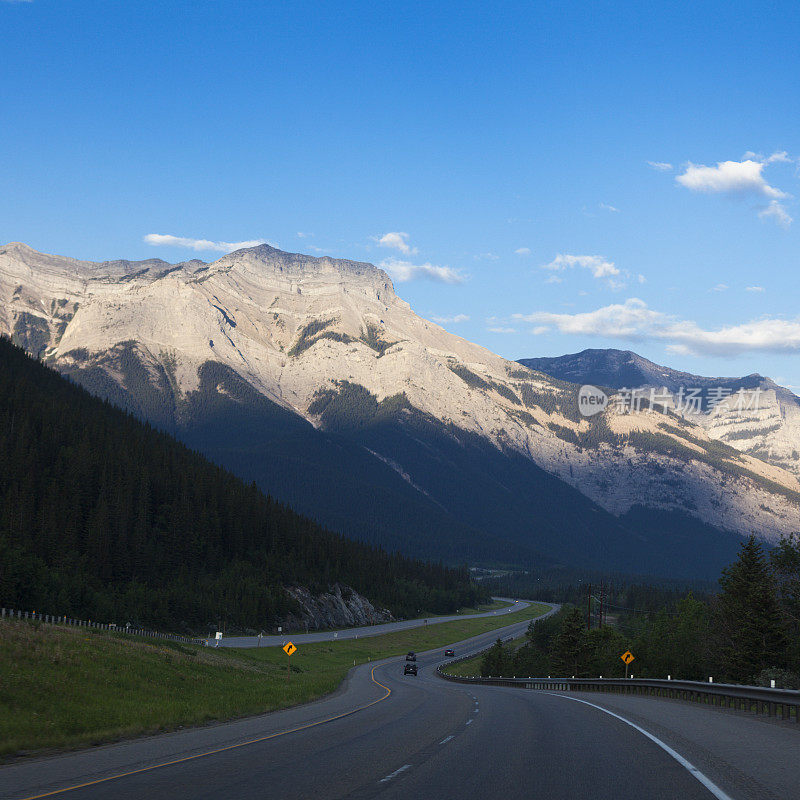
(387, 735)
(363, 631)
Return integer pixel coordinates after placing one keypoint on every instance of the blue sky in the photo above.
(548, 176)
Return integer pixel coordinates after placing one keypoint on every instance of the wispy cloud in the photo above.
(167, 240)
(486, 257)
(755, 289)
(454, 318)
(660, 166)
(404, 271)
(721, 287)
(607, 207)
(600, 267)
(634, 321)
(523, 251)
(777, 213)
(396, 240)
(304, 235)
(501, 330)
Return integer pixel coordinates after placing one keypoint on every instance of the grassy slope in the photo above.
(67, 687)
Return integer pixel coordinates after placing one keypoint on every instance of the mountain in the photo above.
(102, 517)
(313, 378)
(754, 414)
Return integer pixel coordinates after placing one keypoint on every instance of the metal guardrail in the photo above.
(760, 699)
(50, 619)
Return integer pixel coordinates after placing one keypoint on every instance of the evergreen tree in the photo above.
(570, 645)
(497, 661)
(751, 627)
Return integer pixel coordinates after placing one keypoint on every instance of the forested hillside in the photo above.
(748, 632)
(103, 517)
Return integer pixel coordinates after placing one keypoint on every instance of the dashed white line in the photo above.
(469, 722)
(688, 766)
(395, 773)
(446, 740)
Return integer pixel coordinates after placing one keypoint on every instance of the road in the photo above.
(392, 736)
(363, 631)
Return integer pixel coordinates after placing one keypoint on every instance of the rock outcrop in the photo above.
(340, 607)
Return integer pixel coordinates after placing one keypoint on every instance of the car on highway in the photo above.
(449, 653)
(410, 669)
(411, 656)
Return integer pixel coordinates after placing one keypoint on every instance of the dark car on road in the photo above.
(411, 656)
(410, 669)
(449, 653)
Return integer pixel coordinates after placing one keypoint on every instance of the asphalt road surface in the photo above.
(363, 631)
(392, 736)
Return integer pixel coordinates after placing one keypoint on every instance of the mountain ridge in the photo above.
(374, 390)
(769, 432)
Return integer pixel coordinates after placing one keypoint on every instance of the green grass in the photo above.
(495, 605)
(70, 687)
(468, 668)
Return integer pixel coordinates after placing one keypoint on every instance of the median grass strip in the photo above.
(71, 687)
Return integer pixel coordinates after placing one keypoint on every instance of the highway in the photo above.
(383, 734)
(363, 631)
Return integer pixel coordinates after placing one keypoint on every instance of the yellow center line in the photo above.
(220, 749)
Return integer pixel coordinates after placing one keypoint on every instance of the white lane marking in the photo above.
(446, 740)
(469, 722)
(395, 773)
(687, 765)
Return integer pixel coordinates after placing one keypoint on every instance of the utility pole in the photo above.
(589, 609)
(602, 597)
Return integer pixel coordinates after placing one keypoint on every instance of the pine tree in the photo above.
(570, 644)
(750, 626)
(496, 662)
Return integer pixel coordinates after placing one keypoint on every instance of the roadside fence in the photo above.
(50, 619)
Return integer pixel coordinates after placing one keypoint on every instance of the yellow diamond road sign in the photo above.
(627, 656)
(289, 648)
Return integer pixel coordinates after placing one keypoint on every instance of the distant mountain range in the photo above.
(754, 414)
(312, 378)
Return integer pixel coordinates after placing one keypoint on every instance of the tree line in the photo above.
(748, 632)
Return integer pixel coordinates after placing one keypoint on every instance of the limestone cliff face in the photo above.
(755, 416)
(340, 607)
(306, 332)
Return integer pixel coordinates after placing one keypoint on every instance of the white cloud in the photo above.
(633, 321)
(606, 207)
(487, 257)
(730, 177)
(755, 289)
(777, 212)
(661, 166)
(396, 240)
(302, 235)
(404, 271)
(781, 157)
(167, 240)
(741, 178)
(523, 251)
(554, 279)
(502, 330)
(600, 267)
(454, 318)
(721, 287)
